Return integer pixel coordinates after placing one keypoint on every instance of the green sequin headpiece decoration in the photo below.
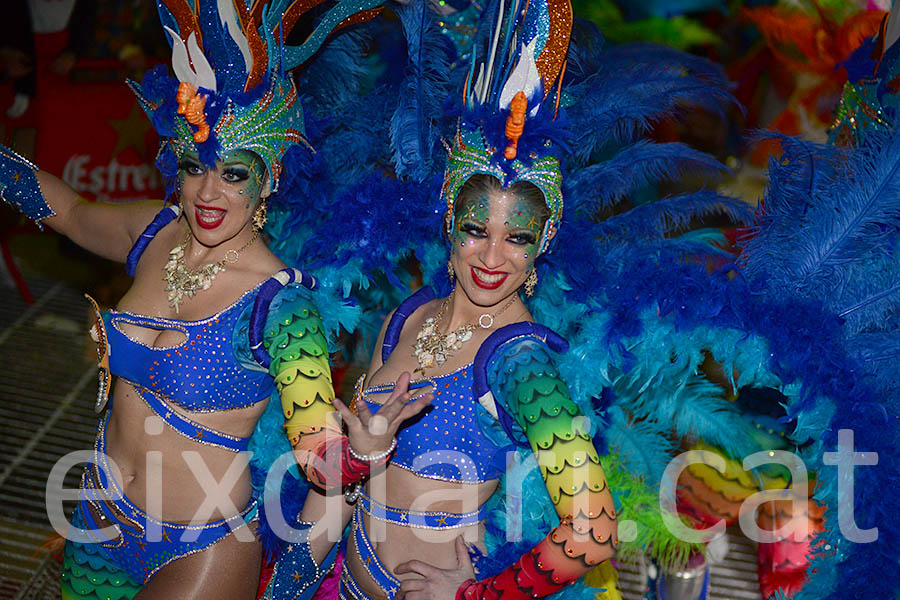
(510, 108)
(471, 155)
(232, 88)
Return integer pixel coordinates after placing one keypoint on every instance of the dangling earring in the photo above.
(531, 282)
(260, 217)
(450, 272)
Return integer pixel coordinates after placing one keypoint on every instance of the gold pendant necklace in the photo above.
(181, 280)
(433, 349)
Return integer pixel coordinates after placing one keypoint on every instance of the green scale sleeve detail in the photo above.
(296, 335)
(528, 386)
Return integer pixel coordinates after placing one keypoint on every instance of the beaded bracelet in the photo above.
(353, 492)
(461, 591)
(373, 457)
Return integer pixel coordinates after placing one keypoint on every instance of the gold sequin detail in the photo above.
(551, 60)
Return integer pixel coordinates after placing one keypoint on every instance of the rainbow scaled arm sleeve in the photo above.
(295, 341)
(528, 384)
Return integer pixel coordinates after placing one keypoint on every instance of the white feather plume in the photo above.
(206, 77)
(181, 64)
(524, 78)
(201, 73)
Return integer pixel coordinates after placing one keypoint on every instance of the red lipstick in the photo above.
(205, 219)
(488, 285)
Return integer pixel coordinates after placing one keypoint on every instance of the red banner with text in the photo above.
(97, 139)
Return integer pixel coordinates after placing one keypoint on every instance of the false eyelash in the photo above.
(240, 175)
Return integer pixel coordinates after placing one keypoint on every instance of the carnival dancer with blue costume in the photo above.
(660, 346)
(213, 324)
(434, 523)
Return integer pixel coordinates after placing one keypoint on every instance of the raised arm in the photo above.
(296, 343)
(528, 385)
(108, 230)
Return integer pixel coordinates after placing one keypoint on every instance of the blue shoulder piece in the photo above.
(406, 308)
(162, 218)
(486, 353)
(264, 297)
(269, 444)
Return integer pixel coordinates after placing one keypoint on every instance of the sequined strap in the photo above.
(395, 325)
(93, 501)
(422, 519)
(349, 589)
(162, 218)
(370, 560)
(191, 429)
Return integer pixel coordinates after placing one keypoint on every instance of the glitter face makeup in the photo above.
(494, 242)
(218, 203)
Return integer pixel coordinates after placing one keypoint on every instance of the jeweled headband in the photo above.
(470, 155)
(232, 88)
(509, 107)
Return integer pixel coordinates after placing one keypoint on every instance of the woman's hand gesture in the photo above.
(436, 584)
(372, 434)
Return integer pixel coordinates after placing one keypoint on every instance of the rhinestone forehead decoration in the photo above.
(468, 156)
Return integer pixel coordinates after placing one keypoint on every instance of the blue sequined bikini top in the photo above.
(202, 373)
(445, 441)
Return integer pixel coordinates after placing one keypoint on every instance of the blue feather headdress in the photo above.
(508, 127)
(232, 87)
(610, 99)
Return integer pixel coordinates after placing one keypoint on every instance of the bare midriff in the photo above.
(155, 461)
(395, 544)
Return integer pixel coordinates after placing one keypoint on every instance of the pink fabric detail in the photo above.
(328, 589)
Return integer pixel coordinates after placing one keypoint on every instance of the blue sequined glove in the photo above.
(19, 186)
(296, 575)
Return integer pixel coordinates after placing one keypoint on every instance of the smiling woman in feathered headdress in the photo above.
(191, 343)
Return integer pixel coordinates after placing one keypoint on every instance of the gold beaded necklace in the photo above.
(181, 280)
(433, 349)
